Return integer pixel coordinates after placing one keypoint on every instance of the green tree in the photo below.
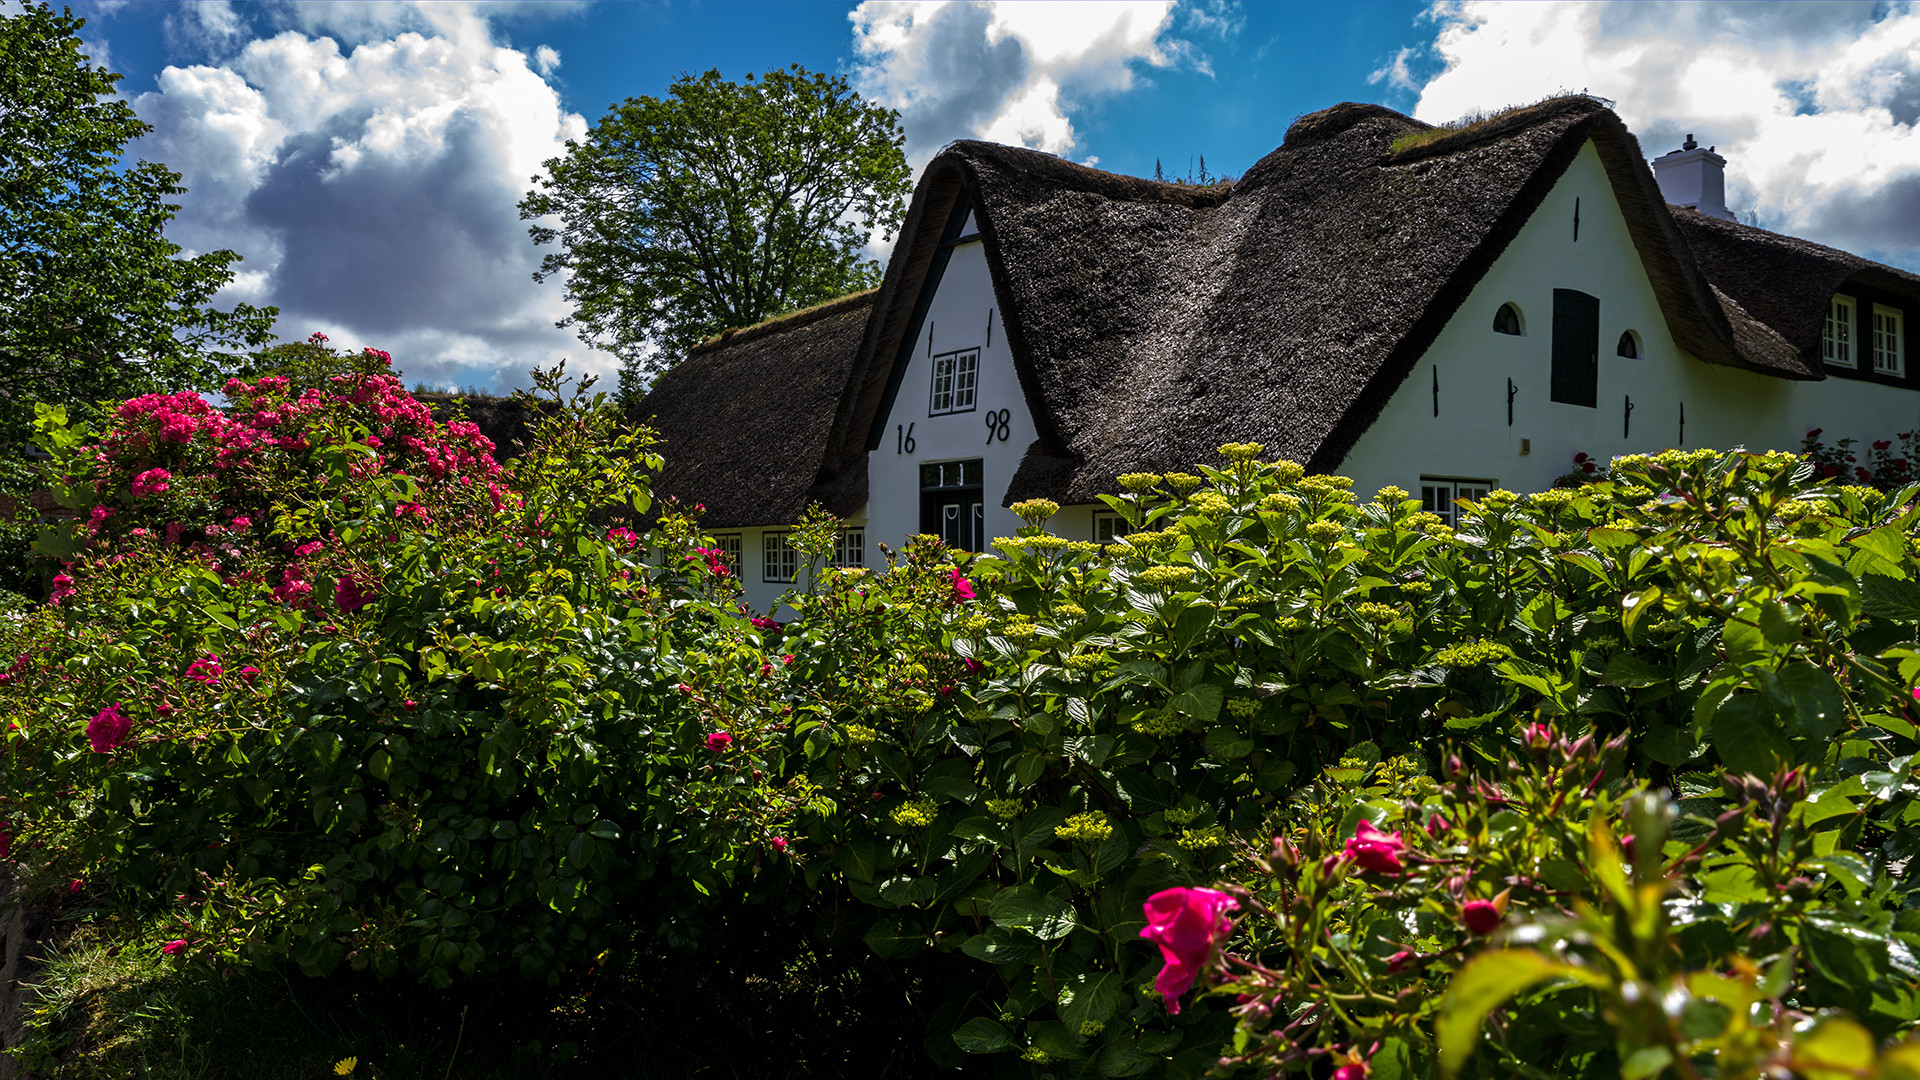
(718, 205)
(95, 301)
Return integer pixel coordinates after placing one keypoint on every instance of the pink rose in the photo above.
(108, 729)
(719, 741)
(1188, 925)
(151, 482)
(78, 884)
(1437, 825)
(174, 947)
(1481, 916)
(352, 594)
(1401, 961)
(248, 674)
(206, 671)
(1377, 852)
(962, 588)
(971, 666)
(780, 844)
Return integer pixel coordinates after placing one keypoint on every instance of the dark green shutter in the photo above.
(1576, 348)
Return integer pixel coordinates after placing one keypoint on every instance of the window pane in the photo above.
(929, 476)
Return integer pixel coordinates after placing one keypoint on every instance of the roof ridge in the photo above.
(1473, 130)
(787, 321)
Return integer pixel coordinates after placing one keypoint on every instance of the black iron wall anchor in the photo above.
(1436, 389)
(1576, 219)
(1626, 419)
(1511, 390)
(1683, 425)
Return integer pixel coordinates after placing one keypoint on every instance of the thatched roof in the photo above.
(505, 420)
(744, 418)
(1152, 322)
(1782, 282)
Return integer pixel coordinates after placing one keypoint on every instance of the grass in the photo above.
(108, 1004)
(1467, 124)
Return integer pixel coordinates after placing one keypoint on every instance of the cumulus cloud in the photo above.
(372, 187)
(1813, 105)
(1011, 72)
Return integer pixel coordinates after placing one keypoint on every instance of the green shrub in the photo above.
(537, 735)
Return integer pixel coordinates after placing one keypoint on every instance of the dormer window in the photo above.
(1629, 346)
(1836, 337)
(1888, 343)
(954, 377)
(1507, 321)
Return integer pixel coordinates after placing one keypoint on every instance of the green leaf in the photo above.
(1888, 545)
(1807, 698)
(1747, 737)
(895, 938)
(1835, 1049)
(983, 1036)
(1091, 998)
(1024, 907)
(999, 945)
(1202, 702)
(1483, 985)
(1885, 597)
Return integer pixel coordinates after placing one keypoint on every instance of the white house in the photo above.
(1442, 309)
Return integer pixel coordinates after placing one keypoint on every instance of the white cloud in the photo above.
(373, 187)
(1813, 105)
(1005, 71)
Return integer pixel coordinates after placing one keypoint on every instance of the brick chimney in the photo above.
(1694, 177)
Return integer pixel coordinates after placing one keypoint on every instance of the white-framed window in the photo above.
(1836, 337)
(1889, 345)
(778, 561)
(850, 548)
(955, 377)
(1437, 495)
(1109, 527)
(729, 545)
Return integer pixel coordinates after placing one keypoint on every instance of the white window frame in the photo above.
(779, 562)
(850, 548)
(1889, 341)
(1437, 494)
(1837, 347)
(956, 382)
(729, 545)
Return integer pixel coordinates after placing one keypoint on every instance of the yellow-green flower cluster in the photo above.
(1091, 1028)
(1035, 511)
(1288, 472)
(1323, 484)
(1864, 494)
(1070, 611)
(1004, 809)
(1417, 587)
(1243, 707)
(1390, 495)
(1398, 771)
(1499, 499)
(974, 624)
(1183, 483)
(1288, 623)
(1035, 1055)
(1237, 451)
(1019, 627)
(1139, 483)
(1213, 504)
(1279, 501)
(1439, 530)
(1325, 531)
(1181, 815)
(1090, 661)
(913, 815)
(1160, 724)
(1634, 493)
(1201, 839)
(1166, 576)
(1803, 508)
(1088, 828)
(1472, 653)
(1045, 543)
(1552, 500)
(858, 734)
(1375, 612)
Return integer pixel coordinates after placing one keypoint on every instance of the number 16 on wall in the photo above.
(903, 439)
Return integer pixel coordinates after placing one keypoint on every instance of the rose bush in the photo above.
(494, 723)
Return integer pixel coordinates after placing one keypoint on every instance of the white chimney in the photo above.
(1694, 177)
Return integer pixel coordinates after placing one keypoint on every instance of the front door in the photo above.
(950, 503)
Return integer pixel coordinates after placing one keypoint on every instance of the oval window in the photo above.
(1507, 320)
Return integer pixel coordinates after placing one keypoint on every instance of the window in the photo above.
(729, 545)
(1575, 377)
(1437, 494)
(850, 548)
(1507, 321)
(778, 561)
(1887, 346)
(1109, 527)
(951, 506)
(1629, 346)
(954, 377)
(1836, 337)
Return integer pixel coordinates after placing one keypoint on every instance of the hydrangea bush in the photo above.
(1609, 779)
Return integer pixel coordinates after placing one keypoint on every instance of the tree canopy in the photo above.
(94, 300)
(717, 205)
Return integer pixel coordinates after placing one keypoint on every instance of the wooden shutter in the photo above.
(1576, 348)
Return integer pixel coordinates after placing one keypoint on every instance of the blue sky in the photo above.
(366, 158)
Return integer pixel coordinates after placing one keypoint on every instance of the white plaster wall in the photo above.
(957, 319)
(1471, 439)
